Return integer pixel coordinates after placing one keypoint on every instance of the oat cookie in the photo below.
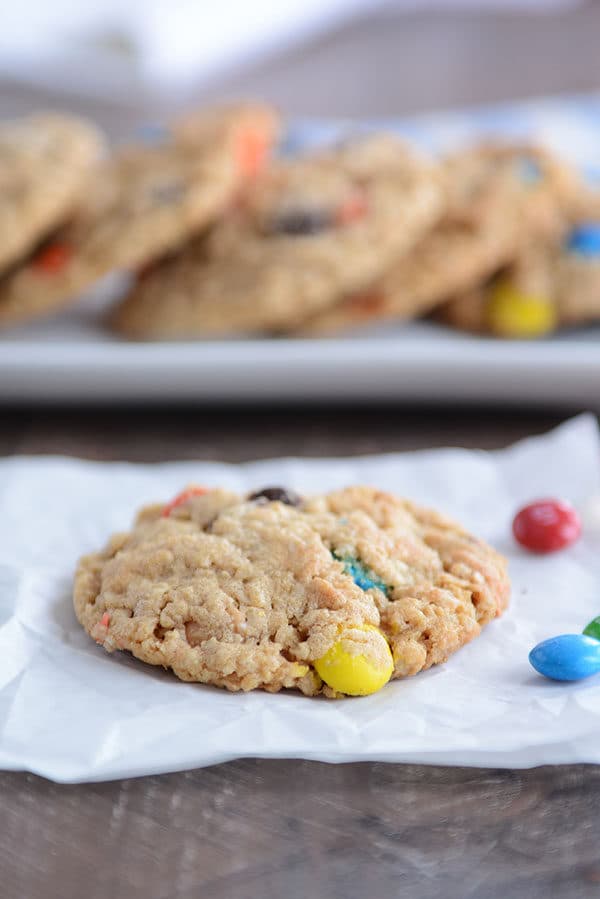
(332, 594)
(497, 196)
(45, 165)
(145, 201)
(311, 230)
(551, 283)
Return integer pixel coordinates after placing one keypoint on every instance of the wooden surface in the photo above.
(264, 830)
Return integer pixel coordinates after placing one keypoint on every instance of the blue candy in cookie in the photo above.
(584, 239)
(153, 134)
(362, 576)
(529, 170)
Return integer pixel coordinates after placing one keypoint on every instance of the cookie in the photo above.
(496, 196)
(333, 594)
(552, 283)
(45, 165)
(311, 230)
(145, 201)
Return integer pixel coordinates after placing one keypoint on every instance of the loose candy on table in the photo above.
(568, 657)
(546, 526)
(511, 313)
(593, 628)
(347, 670)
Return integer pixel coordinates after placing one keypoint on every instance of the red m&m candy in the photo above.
(546, 526)
(52, 258)
(182, 498)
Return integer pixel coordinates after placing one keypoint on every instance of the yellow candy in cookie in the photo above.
(359, 663)
(511, 313)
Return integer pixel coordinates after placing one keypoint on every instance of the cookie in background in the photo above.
(142, 202)
(46, 160)
(310, 230)
(497, 197)
(553, 283)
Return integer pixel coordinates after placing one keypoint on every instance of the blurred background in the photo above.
(129, 62)
(144, 61)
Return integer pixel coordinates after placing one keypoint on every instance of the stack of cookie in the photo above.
(79, 215)
(224, 241)
(371, 232)
(552, 281)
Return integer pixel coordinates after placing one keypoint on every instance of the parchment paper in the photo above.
(71, 712)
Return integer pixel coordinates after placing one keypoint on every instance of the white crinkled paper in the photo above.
(71, 712)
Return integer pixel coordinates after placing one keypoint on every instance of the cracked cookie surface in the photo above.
(254, 592)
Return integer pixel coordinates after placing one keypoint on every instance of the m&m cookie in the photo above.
(334, 594)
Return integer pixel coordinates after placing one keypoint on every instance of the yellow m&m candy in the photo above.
(359, 662)
(511, 313)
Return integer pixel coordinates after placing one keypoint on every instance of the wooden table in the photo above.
(265, 829)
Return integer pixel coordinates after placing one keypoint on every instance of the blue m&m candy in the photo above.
(567, 657)
(584, 239)
(152, 133)
(529, 170)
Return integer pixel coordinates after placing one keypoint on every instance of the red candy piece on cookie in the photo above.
(252, 150)
(352, 210)
(546, 526)
(53, 258)
(183, 498)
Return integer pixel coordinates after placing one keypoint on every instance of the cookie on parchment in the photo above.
(46, 161)
(497, 197)
(334, 594)
(311, 229)
(145, 201)
(551, 283)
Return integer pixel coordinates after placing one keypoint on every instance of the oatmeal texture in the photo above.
(249, 593)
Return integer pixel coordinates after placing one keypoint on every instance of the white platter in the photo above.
(73, 358)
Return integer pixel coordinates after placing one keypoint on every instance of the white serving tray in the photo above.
(74, 358)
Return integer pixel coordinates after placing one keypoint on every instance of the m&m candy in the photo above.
(546, 526)
(529, 170)
(593, 628)
(359, 663)
(584, 239)
(52, 258)
(182, 498)
(511, 313)
(567, 657)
